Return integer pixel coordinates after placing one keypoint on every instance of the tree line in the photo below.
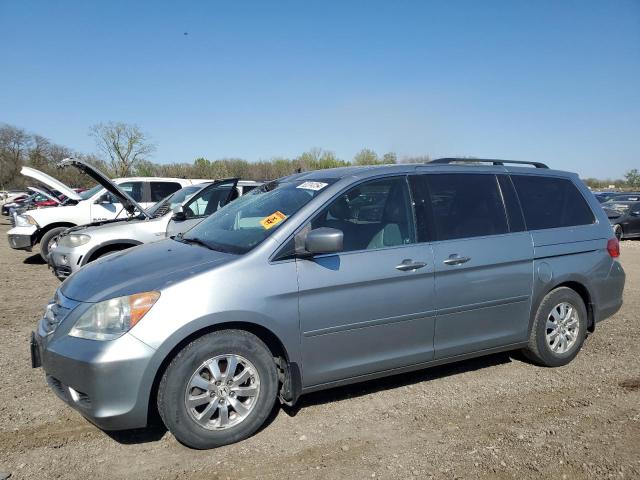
(126, 151)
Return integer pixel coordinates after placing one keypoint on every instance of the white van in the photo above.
(100, 203)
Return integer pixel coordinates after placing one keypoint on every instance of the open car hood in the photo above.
(50, 182)
(45, 194)
(128, 203)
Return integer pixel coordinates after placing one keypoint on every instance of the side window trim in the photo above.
(232, 181)
(418, 181)
(511, 203)
(282, 253)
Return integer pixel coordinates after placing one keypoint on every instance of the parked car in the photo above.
(14, 202)
(96, 204)
(11, 195)
(288, 290)
(624, 217)
(175, 214)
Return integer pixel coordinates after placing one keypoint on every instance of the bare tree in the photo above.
(125, 145)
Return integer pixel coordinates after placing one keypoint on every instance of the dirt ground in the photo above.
(495, 417)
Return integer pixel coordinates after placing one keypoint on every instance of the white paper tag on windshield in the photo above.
(312, 185)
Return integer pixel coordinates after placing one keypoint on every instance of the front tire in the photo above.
(218, 390)
(559, 328)
(47, 239)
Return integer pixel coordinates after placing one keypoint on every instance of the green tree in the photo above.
(633, 178)
(389, 157)
(366, 157)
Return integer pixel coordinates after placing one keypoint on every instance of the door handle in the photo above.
(456, 259)
(409, 265)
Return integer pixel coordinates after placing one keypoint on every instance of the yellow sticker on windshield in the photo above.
(272, 220)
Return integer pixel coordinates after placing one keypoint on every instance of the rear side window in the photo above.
(466, 205)
(549, 202)
(160, 190)
(133, 189)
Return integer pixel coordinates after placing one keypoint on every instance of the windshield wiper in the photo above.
(196, 241)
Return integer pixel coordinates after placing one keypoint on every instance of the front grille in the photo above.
(55, 313)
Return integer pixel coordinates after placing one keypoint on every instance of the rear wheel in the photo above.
(559, 328)
(218, 390)
(617, 230)
(47, 240)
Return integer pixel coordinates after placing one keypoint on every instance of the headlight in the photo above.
(111, 319)
(73, 240)
(25, 221)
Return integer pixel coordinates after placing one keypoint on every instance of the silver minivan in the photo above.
(327, 278)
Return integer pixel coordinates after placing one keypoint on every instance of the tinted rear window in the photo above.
(160, 190)
(466, 205)
(549, 202)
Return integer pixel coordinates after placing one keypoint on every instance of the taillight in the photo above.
(613, 247)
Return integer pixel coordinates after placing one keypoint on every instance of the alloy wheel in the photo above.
(222, 392)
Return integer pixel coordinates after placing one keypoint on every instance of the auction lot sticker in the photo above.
(315, 186)
(272, 220)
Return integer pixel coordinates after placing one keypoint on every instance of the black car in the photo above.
(624, 217)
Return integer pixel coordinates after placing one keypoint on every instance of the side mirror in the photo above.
(324, 240)
(179, 213)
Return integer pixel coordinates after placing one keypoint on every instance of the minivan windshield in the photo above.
(241, 225)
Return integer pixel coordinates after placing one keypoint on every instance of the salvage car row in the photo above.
(315, 280)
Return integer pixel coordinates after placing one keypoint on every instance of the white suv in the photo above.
(100, 203)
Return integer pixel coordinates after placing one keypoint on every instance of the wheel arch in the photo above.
(109, 246)
(47, 228)
(575, 284)
(271, 340)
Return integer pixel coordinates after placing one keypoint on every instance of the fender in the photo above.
(126, 241)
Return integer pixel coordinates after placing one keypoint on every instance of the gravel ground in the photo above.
(495, 417)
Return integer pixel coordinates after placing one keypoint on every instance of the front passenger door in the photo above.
(369, 308)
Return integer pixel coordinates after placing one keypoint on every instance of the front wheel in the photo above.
(218, 390)
(559, 328)
(47, 241)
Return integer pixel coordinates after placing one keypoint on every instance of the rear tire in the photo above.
(205, 406)
(47, 239)
(559, 328)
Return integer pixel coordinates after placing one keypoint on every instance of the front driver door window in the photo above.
(362, 310)
(108, 206)
(203, 204)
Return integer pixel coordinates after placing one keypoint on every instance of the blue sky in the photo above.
(557, 81)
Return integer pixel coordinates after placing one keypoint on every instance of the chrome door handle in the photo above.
(456, 260)
(409, 265)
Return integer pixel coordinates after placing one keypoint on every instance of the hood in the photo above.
(50, 182)
(45, 194)
(104, 224)
(153, 266)
(129, 203)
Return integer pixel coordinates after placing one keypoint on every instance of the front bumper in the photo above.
(101, 380)
(22, 238)
(64, 261)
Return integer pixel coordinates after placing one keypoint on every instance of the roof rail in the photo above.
(486, 160)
